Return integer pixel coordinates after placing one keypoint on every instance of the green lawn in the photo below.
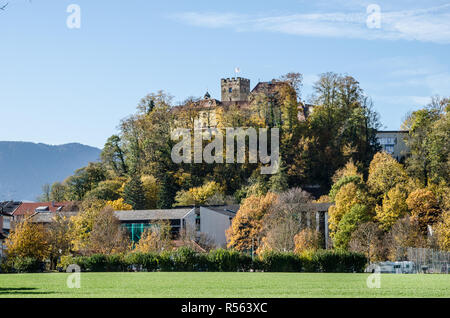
(186, 285)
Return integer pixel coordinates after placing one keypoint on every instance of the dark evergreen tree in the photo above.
(134, 193)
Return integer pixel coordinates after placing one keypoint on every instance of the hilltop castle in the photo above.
(235, 92)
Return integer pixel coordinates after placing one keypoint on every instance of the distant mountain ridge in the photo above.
(26, 166)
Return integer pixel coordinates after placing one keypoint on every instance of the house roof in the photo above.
(27, 208)
(8, 207)
(47, 217)
(143, 215)
(229, 210)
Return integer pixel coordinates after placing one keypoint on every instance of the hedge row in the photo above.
(220, 260)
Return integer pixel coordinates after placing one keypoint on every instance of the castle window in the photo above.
(230, 90)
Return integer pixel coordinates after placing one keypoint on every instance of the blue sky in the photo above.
(60, 85)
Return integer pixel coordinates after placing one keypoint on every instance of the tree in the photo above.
(244, 233)
(59, 238)
(45, 197)
(307, 240)
(58, 192)
(290, 213)
(403, 234)
(366, 239)
(155, 239)
(108, 237)
(384, 174)
(83, 223)
(27, 239)
(108, 190)
(428, 142)
(424, 208)
(348, 195)
(113, 156)
(134, 194)
(119, 205)
(295, 80)
(394, 207)
(357, 215)
(151, 190)
(278, 182)
(84, 180)
(443, 231)
(198, 195)
(342, 126)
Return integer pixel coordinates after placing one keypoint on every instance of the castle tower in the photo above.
(235, 89)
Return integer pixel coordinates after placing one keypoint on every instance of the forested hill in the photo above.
(26, 166)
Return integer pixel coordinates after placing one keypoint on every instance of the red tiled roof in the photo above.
(27, 208)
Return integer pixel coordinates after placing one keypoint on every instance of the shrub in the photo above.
(116, 263)
(280, 262)
(147, 261)
(184, 259)
(222, 260)
(165, 262)
(65, 261)
(339, 261)
(308, 261)
(96, 263)
(27, 265)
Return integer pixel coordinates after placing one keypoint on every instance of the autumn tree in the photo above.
(443, 231)
(151, 191)
(107, 236)
(393, 207)
(403, 234)
(58, 192)
(384, 174)
(27, 239)
(357, 215)
(119, 205)
(84, 180)
(342, 126)
(198, 195)
(366, 239)
(424, 208)
(307, 240)
(82, 224)
(157, 238)
(428, 141)
(348, 195)
(114, 156)
(245, 230)
(291, 212)
(59, 238)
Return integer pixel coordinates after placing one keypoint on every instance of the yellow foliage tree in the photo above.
(198, 195)
(443, 231)
(151, 190)
(348, 195)
(394, 207)
(27, 239)
(245, 230)
(119, 205)
(307, 240)
(155, 239)
(83, 223)
(384, 174)
(424, 208)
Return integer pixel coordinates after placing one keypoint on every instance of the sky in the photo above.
(61, 84)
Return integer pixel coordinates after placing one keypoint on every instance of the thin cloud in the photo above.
(425, 25)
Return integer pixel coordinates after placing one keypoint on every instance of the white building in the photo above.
(215, 220)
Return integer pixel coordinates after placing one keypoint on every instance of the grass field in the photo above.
(186, 285)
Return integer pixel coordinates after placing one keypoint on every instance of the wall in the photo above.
(214, 224)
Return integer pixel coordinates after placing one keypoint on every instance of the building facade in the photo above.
(393, 142)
